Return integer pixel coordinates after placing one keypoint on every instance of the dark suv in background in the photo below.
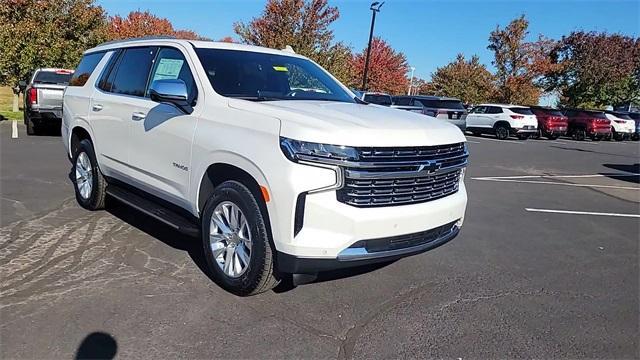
(591, 123)
(551, 122)
(444, 108)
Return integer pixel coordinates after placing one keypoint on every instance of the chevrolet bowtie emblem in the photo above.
(429, 167)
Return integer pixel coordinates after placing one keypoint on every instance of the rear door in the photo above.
(162, 134)
(119, 95)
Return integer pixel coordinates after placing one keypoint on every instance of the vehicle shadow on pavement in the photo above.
(633, 170)
(97, 345)
(193, 246)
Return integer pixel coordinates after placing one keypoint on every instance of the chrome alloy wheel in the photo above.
(230, 239)
(84, 175)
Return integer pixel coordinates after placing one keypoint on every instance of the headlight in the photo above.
(296, 150)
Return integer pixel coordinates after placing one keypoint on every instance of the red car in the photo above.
(591, 123)
(551, 122)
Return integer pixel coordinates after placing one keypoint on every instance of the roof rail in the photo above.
(154, 37)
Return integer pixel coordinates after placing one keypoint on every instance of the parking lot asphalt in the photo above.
(546, 266)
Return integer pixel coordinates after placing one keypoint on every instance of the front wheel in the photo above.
(89, 184)
(236, 242)
(502, 132)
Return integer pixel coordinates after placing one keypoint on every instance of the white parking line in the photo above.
(501, 141)
(582, 213)
(556, 176)
(559, 183)
(14, 130)
(473, 142)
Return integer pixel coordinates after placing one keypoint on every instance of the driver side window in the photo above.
(171, 64)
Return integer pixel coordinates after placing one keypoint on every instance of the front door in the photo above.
(162, 134)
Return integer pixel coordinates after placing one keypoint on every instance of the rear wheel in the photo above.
(502, 132)
(537, 135)
(28, 122)
(579, 134)
(89, 183)
(236, 242)
(616, 135)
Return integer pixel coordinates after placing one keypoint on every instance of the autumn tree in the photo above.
(387, 68)
(303, 25)
(139, 24)
(513, 59)
(467, 80)
(596, 69)
(46, 33)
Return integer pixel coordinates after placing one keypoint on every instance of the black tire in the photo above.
(260, 274)
(502, 131)
(537, 135)
(96, 197)
(617, 136)
(476, 133)
(523, 136)
(579, 134)
(28, 122)
(553, 137)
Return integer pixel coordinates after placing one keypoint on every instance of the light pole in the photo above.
(375, 7)
(411, 81)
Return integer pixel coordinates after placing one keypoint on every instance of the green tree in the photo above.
(469, 81)
(595, 69)
(513, 58)
(303, 25)
(46, 33)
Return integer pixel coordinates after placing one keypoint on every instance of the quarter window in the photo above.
(85, 68)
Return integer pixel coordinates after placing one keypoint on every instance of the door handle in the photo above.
(96, 107)
(138, 116)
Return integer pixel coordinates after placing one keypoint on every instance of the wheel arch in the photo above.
(502, 122)
(77, 134)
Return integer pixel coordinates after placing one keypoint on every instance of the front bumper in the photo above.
(360, 255)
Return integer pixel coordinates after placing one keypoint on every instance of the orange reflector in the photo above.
(265, 193)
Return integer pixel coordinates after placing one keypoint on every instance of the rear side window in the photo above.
(85, 68)
(494, 110)
(132, 72)
(521, 111)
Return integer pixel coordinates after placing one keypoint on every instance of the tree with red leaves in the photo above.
(387, 68)
(139, 24)
(303, 25)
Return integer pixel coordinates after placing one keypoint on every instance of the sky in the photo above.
(429, 32)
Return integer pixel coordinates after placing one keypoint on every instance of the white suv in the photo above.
(263, 154)
(622, 126)
(502, 120)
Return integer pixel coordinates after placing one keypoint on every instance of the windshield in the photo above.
(379, 99)
(266, 77)
(442, 104)
(521, 111)
(53, 77)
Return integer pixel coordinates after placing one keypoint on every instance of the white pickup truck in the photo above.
(262, 154)
(43, 97)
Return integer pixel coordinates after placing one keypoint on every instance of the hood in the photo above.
(350, 124)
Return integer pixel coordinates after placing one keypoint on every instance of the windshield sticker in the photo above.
(280, 68)
(168, 69)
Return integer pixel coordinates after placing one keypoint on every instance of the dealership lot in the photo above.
(546, 266)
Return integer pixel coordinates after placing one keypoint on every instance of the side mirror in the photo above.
(172, 91)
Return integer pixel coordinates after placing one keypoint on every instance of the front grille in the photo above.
(402, 176)
(404, 241)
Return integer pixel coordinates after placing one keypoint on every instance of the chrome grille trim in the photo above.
(402, 176)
